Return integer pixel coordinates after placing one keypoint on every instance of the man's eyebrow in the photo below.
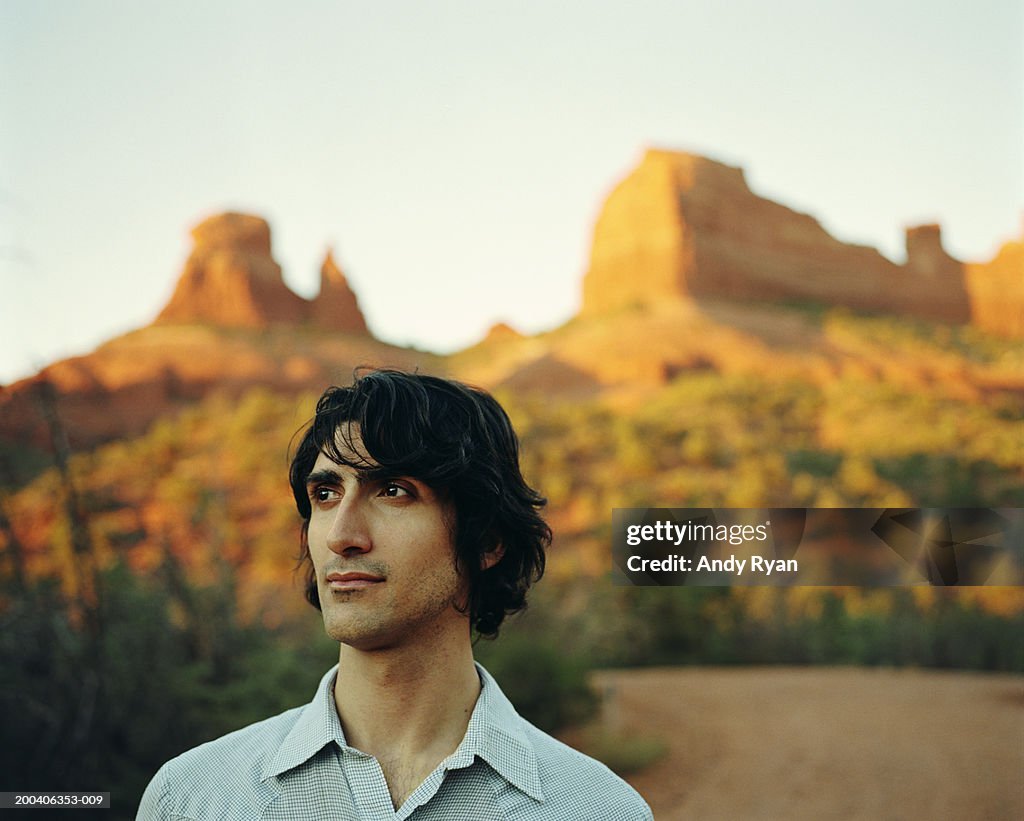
(331, 476)
(323, 476)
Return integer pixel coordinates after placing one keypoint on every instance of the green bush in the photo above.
(546, 682)
(98, 698)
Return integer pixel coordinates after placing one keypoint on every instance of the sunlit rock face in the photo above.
(232, 280)
(683, 226)
(335, 307)
(996, 289)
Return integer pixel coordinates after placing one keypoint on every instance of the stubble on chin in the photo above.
(349, 621)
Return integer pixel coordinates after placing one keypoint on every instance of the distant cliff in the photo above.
(231, 279)
(684, 226)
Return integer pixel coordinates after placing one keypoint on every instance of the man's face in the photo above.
(383, 554)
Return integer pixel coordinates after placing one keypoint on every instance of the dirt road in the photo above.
(784, 743)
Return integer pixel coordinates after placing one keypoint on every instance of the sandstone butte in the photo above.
(231, 279)
(684, 226)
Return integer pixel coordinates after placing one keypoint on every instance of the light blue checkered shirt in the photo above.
(297, 766)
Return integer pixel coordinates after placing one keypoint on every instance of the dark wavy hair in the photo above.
(459, 441)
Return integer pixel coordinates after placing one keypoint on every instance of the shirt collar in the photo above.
(317, 725)
(496, 733)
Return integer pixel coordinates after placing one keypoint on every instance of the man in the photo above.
(418, 529)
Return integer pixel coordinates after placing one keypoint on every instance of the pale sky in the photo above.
(455, 155)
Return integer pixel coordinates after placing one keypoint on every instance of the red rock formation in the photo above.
(926, 255)
(996, 290)
(231, 278)
(683, 226)
(336, 307)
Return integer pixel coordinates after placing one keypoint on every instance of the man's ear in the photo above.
(492, 556)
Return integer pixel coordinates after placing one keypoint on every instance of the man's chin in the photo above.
(360, 636)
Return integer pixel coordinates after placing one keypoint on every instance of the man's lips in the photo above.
(353, 580)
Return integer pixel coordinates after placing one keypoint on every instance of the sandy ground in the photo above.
(783, 743)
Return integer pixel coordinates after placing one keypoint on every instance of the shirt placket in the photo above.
(367, 786)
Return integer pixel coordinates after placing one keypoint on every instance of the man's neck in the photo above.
(407, 707)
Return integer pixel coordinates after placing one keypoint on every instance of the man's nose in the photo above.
(349, 532)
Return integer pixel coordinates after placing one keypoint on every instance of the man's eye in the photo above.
(322, 495)
(393, 491)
